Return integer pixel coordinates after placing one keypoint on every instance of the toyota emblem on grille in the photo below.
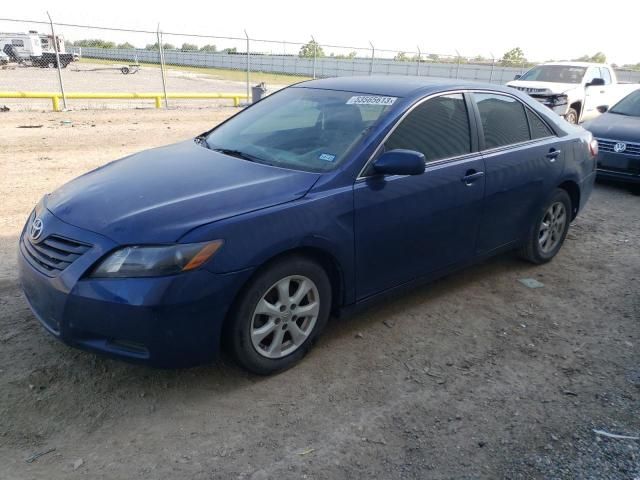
(36, 229)
(619, 147)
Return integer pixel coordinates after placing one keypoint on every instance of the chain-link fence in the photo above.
(78, 66)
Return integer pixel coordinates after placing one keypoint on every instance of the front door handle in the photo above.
(471, 177)
(553, 154)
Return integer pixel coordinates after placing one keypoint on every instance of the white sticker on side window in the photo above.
(371, 100)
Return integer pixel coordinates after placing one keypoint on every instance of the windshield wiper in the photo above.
(239, 154)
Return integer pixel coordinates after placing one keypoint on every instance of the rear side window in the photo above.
(539, 129)
(438, 128)
(17, 43)
(504, 120)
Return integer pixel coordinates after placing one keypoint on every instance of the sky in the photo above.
(548, 29)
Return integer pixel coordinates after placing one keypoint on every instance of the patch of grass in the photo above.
(219, 73)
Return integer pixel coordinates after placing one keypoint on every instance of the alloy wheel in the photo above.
(285, 316)
(552, 227)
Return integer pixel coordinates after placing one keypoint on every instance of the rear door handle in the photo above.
(553, 154)
(471, 177)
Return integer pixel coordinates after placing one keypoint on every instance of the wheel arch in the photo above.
(573, 190)
(322, 256)
(577, 106)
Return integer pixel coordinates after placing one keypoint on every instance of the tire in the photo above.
(124, 70)
(51, 65)
(265, 343)
(556, 215)
(571, 116)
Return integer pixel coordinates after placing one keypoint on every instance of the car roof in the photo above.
(577, 64)
(396, 85)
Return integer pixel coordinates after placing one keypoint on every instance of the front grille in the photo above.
(606, 145)
(54, 253)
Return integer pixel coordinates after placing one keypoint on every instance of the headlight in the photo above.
(143, 261)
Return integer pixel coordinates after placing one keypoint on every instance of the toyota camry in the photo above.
(323, 196)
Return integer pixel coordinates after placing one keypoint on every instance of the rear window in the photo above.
(504, 120)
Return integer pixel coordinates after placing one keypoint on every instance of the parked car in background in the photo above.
(320, 197)
(618, 135)
(34, 49)
(573, 90)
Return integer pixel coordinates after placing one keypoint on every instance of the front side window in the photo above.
(17, 43)
(438, 128)
(592, 73)
(504, 120)
(605, 74)
(301, 128)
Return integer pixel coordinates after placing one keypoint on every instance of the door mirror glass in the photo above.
(603, 108)
(517, 77)
(400, 162)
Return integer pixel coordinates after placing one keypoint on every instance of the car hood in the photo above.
(615, 127)
(158, 195)
(543, 88)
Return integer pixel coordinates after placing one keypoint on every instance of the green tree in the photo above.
(598, 57)
(230, 50)
(154, 46)
(94, 42)
(125, 45)
(189, 47)
(515, 56)
(434, 57)
(401, 57)
(307, 50)
(209, 48)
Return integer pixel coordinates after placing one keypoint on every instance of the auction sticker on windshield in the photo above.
(371, 100)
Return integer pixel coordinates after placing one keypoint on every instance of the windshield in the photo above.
(555, 73)
(629, 105)
(301, 128)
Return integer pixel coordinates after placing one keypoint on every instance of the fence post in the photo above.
(248, 68)
(373, 56)
(493, 64)
(418, 63)
(458, 67)
(162, 72)
(55, 47)
(315, 54)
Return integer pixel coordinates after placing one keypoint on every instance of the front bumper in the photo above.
(172, 321)
(618, 167)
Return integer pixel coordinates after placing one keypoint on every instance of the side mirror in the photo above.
(517, 77)
(596, 82)
(603, 108)
(400, 162)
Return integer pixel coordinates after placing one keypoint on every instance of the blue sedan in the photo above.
(323, 196)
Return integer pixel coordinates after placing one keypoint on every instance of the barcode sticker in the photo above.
(371, 100)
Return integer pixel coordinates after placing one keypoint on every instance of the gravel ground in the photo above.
(473, 376)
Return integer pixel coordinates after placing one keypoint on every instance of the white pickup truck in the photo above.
(578, 91)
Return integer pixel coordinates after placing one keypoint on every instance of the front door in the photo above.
(409, 226)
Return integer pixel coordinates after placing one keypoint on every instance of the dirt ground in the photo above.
(474, 376)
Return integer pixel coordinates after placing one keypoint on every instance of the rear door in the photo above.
(409, 226)
(523, 162)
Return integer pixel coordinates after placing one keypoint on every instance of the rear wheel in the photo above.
(125, 70)
(280, 315)
(549, 229)
(571, 116)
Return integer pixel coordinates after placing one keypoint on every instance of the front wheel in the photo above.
(571, 116)
(280, 315)
(549, 229)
